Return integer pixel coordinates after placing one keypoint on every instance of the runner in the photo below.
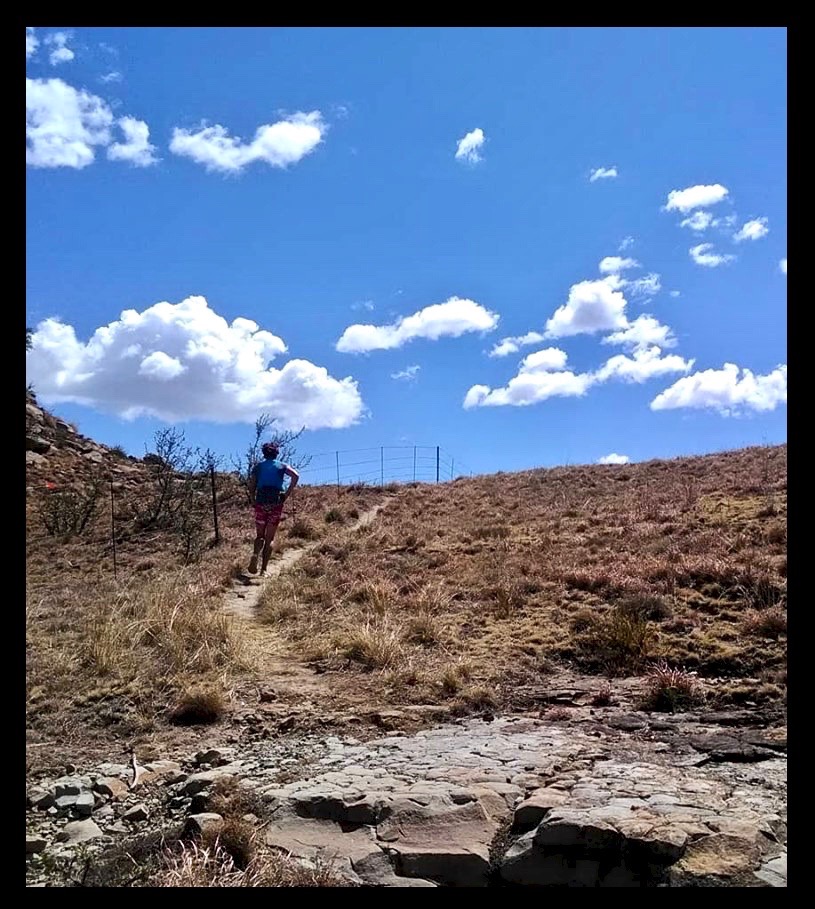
(268, 497)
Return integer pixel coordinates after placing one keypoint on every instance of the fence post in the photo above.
(437, 463)
(382, 466)
(113, 527)
(452, 462)
(214, 503)
(414, 463)
(338, 468)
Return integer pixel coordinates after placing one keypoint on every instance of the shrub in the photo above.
(334, 516)
(67, 512)
(198, 706)
(303, 529)
(767, 623)
(671, 689)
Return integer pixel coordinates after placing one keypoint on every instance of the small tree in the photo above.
(245, 463)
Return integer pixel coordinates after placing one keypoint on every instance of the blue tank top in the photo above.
(270, 476)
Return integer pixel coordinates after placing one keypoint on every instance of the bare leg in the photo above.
(271, 530)
(259, 540)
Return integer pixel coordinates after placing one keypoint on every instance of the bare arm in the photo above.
(294, 479)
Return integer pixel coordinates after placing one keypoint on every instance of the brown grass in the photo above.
(671, 689)
(198, 707)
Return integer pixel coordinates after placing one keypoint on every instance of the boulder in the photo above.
(205, 823)
(75, 832)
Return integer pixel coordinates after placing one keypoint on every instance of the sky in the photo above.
(528, 246)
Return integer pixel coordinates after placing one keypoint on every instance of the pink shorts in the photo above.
(268, 514)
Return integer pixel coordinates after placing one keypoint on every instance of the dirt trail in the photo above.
(276, 666)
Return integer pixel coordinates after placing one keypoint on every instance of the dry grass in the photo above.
(196, 865)
(671, 689)
(198, 707)
(605, 569)
(767, 623)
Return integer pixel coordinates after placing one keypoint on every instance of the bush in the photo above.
(198, 706)
(767, 623)
(334, 516)
(302, 529)
(66, 513)
(671, 690)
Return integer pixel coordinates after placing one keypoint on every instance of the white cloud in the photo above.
(644, 364)
(613, 265)
(363, 304)
(644, 331)
(185, 362)
(512, 345)
(449, 319)
(278, 144)
(646, 287)
(728, 390)
(702, 196)
(32, 42)
(614, 458)
(627, 243)
(407, 374)
(782, 265)
(674, 293)
(592, 306)
(699, 221)
(752, 230)
(467, 148)
(136, 149)
(61, 53)
(62, 125)
(603, 173)
(112, 76)
(702, 255)
(541, 375)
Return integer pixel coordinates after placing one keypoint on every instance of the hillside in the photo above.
(653, 589)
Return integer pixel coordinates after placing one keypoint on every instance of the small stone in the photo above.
(215, 757)
(34, 844)
(75, 832)
(112, 787)
(136, 813)
(200, 781)
(208, 822)
(41, 799)
(84, 804)
(65, 802)
(67, 787)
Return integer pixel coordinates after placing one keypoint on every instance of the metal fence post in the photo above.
(382, 466)
(214, 503)
(414, 463)
(437, 463)
(338, 468)
(452, 462)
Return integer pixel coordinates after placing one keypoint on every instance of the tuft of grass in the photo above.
(602, 697)
(423, 629)
(198, 707)
(334, 516)
(671, 689)
(237, 838)
(767, 623)
(303, 529)
(374, 645)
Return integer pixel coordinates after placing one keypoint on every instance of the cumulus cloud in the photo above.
(592, 306)
(644, 331)
(185, 362)
(512, 345)
(614, 458)
(603, 173)
(32, 42)
(699, 221)
(60, 52)
(541, 375)
(408, 374)
(468, 147)
(730, 391)
(136, 149)
(613, 265)
(702, 196)
(782, 266)
(752, 230)
(702, 255)
(62, 125)
(643, 364)
(450, 319)
(277, 144)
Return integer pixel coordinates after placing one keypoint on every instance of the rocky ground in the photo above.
(574, 796)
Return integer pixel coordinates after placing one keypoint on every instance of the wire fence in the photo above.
(383, 465)
(68, 505)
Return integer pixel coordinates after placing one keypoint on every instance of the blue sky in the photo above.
(450, 187)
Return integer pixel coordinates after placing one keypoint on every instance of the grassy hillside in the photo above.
(466, 595)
